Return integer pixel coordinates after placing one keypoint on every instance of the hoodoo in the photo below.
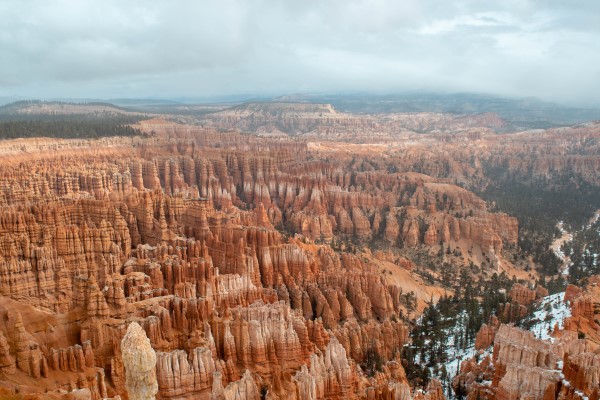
(139, 360)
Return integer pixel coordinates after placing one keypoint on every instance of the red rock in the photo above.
(486, 334)
(522, 295)
(190, 233)
(571, 292)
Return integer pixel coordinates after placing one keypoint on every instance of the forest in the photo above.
(448, 328)
(66, 128)
(538, 206)
(15, 125)
(584, 251)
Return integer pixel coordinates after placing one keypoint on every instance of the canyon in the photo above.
(278, 251)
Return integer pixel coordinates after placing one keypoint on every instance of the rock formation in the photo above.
(487, 333)
(523, 366)
(139, 360)
(7, 362)
(245, 261)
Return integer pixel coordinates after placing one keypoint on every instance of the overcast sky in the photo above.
(544, 48)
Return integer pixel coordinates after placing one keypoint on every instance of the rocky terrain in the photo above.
(259, 254)
(563, 363)
(324, 121)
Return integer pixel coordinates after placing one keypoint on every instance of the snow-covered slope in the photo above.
(551, 310)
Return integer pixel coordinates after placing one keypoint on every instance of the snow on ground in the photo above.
(594, 219)
(549, 312)
(455, 354)
(453, 364)
(556, 246)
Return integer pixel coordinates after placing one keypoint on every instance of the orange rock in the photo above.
(486, 334)
(190, 233)
(522, 295)
(571, 292)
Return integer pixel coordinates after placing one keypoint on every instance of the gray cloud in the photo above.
(544, 48)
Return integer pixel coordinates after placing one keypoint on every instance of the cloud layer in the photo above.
(110, 48)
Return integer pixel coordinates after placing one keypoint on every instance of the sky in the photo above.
(549, 49)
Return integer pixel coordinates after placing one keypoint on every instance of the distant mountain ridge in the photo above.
(24, 105)
(28, 109)
(520, 113)
(526, 112)
(275, 108)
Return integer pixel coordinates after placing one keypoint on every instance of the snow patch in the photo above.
(552, 310)
(457, 350)
(557, 246)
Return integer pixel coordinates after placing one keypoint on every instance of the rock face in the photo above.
(487, 333)
(244, 388)
(139, 360)
(522, 295)
(524, 365)
(7, 362)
